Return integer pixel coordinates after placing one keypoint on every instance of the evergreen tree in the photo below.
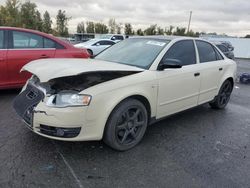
(90, 27)
(151, 30)
(9, 14)
(101, 28)
(28, 15)
(62, 23)
(128, 30)
(112, 26)
(80, 28)
(139, 32)
(47, 23)
(39, 21)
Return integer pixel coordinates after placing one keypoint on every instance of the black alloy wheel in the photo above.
(127, 125)
(223, 97)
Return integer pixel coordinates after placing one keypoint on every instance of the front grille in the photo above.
(59, 132)
(25, 102)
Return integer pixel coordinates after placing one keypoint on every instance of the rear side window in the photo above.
(218, 54)
(26, 40)
(49, 43)
(206, 52)
(1, 39)
(109, 43)
(182, 51)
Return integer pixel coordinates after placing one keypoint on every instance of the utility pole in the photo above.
(190, 17)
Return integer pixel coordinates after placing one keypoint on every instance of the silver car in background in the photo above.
(95, 46)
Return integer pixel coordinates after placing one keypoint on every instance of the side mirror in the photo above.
(113, 38)
(97, 44)
(170, 64)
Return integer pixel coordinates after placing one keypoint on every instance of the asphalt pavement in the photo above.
(200, 147)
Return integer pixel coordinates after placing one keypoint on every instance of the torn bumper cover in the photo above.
(25, 102)
(27, 107)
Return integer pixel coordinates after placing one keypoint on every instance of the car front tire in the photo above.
(126, 125)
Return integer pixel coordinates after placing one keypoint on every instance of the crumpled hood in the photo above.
(47, 69)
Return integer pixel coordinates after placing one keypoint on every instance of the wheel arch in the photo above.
(89, 50)
(231, 80)
(138, 97)
(144, 101)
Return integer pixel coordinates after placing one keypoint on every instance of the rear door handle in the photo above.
(1, 59)
(220, 69)
(196, 74)
(44, 56)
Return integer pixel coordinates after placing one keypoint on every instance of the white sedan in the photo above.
(124, 89)
(95, 46)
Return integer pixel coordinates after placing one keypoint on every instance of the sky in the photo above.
(222, 16)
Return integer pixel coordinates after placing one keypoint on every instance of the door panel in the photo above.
(100, 49)
(3, 67)
(178, 90)
(17, 58)
(210, 76)
(3, 59)
(211, 63)
(23, 48)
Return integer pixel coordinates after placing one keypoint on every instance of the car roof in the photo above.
(164, 37)
(98, 39)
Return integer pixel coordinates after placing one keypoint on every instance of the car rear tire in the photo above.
(222, 99)
(126, 125)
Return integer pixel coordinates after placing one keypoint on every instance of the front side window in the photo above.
(182, 52)
(26, 40)
(118, 37)
(139, 52)
(1, 39)
(102, 42)
(206, 52)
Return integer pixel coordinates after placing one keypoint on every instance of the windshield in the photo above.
(139, 52)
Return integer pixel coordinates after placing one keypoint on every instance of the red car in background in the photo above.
(20, 46)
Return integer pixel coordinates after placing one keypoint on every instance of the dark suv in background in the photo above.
(227, 50)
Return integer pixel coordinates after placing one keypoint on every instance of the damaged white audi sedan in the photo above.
(116, 95)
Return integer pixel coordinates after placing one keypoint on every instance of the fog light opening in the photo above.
(59, 132)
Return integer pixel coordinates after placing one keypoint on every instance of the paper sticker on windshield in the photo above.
(156, 43)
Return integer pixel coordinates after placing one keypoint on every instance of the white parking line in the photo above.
(78, 182)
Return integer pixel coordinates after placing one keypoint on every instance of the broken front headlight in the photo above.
(68, 99)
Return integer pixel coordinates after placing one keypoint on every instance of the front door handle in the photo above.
(1, 59)
(220, 69)
(196, 74)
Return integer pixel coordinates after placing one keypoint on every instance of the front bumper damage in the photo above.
(56, 123)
